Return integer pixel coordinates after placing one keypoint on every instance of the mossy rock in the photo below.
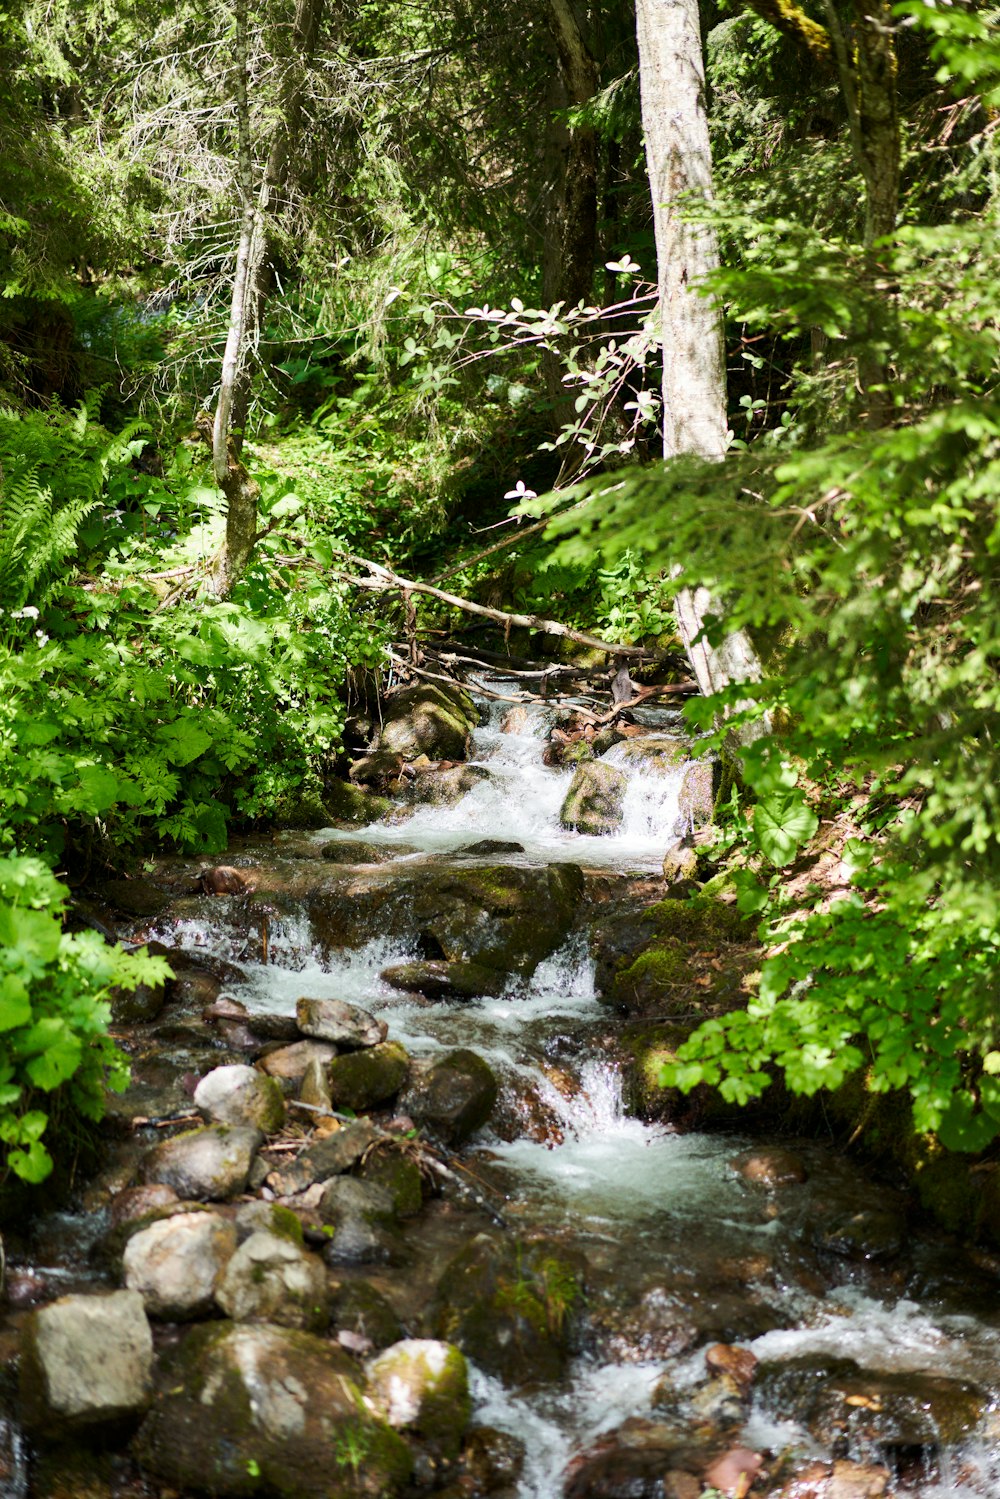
(501, 917)
(347, 803)
(400, 1176)
(302, 809)
(595, 800)
(361, 1079)
(701, 921)
(646, 1051)
(361, 1310)
(422, 1385)
(428, 719)
(246, 1410)
(514, 1308)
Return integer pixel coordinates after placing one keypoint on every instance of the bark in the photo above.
(675, 124)
(253, 279)
(571, 242)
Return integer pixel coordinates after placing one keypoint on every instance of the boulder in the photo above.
(771, 1166)
(362, 1220)
(428, 719)
(839, 1401)
(596, 798)
(361, 1079)
(454, 1096)
(175, 1264)
(442, 788)
(288, 1063)
(272, 1279)
(660, 753)
(498, 916)
(487, 846)
(422, 1385)
(249, 1408)
(239, 1094)
(399, 1174)
(86, 1361)
(314, 1089)
(135, 897)
(437, 979)
(512, 1307)
(343, 1024)
(204, 1164)
(350, 804)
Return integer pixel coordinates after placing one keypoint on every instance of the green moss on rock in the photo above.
(361, 1079)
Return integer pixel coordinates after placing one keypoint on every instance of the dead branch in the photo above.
(383, 579)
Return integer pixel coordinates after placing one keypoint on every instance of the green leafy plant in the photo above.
(55, 1054)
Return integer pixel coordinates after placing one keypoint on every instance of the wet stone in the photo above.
(771, 1167)
(315, 1090)
(867, 1234)
(204, 1164)
(241, 1095)
(439, 979)
(422, 1385)
(492, 1459)
(839, 1480)
(362, 1079)
(176, 1264)
(288, 1063)
(739, 1363)
(362, 1220)
(246, 1408)
(135, 897)
(135, 1203)
(454, 1096)
(595, 800)
(325, 1158)
(272, 1279)
(837, 1399)
(271, 1027)
(334, 1020)
(400, 1176)
(86, 1360)
(487, 846)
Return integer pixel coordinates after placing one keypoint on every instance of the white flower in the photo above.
(519, 492)
(28, 612)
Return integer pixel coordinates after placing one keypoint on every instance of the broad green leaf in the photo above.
(781, 825)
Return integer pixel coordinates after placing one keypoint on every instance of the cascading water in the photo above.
(521, 798)
(661, 1217)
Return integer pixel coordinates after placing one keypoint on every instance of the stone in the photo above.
(315, 1090)
(734, 1471)
(837, 1399)
(344, 1024)
(454, 1097)
(442, 788)
(288, 1063)
(175, 1264)
(493, 1459)
(86, 1361)
(771, 1167)
(437, 979)
(512, 1307)
(136, 1203)
(135, 897)
(877, 1233)
(137, 1006)
(247, 1408)
(399, 1174)
(659, 753)
(428, 719)
(364, 1315)
(239, 1094)
(487, 846)
(595, 800)
(361, 1079)
(354, 851)
(272, 1279)
(680, 863)
(271, 1027)
(350, 804)
(422, 1385)
(268, 1217)
(331, 1156)
(223, 880)
(740, 1364)
(209, 1164)
(362, 1220)
(696, 797)
(498, 916)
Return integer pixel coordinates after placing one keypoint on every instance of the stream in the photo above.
(681, 1250)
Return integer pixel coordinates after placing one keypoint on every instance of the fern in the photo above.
(53, 468)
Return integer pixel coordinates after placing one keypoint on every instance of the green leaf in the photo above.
(31, 1165)
(781, 824)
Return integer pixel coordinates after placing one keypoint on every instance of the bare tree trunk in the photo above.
(571, 244)
(675, 124)
(253, 278)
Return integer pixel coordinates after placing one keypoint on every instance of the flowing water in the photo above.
(682, 1252)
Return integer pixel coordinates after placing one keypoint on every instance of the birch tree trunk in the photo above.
(675, 125)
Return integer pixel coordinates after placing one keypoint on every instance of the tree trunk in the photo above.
(253, 278)
(675, 124)
(571, 243)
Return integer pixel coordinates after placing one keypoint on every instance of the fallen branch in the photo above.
(383, 579)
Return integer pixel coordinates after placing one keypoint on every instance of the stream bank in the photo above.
(581, 1291)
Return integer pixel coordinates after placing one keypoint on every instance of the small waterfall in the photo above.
(521, 799)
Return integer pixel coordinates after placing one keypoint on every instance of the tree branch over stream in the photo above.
(383, 579)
